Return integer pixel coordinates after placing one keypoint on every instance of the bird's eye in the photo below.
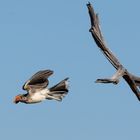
(23, 98)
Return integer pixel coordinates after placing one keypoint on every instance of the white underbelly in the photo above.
(39, 96)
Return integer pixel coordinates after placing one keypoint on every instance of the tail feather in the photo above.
(60, 90)
(62, 86)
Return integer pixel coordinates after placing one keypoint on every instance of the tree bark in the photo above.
(132, 80)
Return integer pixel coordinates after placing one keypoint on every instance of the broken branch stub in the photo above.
(132, 80)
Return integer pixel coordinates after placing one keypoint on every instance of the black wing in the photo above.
(38, 80)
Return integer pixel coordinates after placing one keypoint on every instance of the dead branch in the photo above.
(132, 80)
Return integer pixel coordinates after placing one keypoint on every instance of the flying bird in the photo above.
(37, 89)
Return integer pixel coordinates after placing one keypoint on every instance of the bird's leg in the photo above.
(51, 97)
(114, 79)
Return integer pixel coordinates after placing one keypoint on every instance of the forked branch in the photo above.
(133, 81)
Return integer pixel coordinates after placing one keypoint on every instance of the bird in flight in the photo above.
(37, 90)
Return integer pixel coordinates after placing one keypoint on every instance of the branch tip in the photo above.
(88, 4)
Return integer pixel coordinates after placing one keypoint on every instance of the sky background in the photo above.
(37, 35)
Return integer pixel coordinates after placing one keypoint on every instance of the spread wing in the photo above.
(38, 80)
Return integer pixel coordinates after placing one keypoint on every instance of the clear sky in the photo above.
(37, 35)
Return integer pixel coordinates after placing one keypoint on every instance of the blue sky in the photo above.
(36, 35)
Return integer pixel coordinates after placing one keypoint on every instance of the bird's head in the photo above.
(19, 98)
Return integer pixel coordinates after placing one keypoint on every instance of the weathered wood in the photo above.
(114, 79)
(132, 80)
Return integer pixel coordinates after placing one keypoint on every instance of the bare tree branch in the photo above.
(132, 80)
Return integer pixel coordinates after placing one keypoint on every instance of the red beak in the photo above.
(17, 99)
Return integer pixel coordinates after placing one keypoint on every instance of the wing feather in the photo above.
(38, 80)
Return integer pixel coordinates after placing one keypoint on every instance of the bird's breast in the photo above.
(39, 96)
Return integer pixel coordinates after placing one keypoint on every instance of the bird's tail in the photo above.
(59, 91)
